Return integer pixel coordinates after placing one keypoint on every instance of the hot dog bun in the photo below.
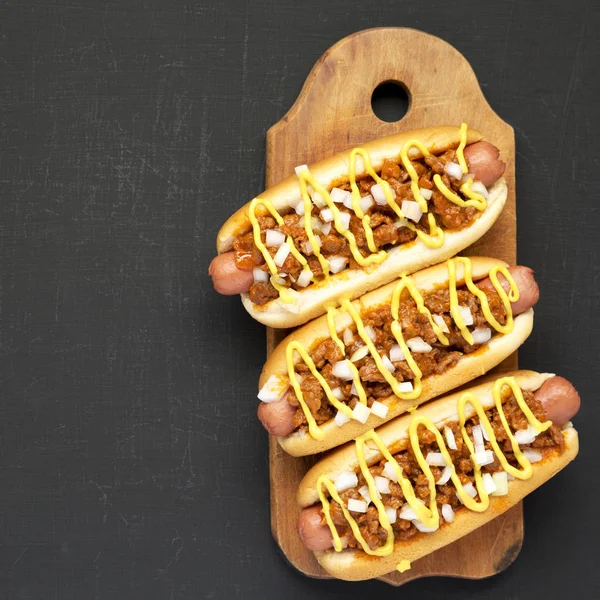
(354, 564)
(406, 258)
(468, 367)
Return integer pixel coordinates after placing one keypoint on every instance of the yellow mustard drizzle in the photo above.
(403, 565)
(430, 516)
(307, 179)
(476, 200)
(433, 239)
(405, 283)
(331, 312)
(512, 296)
(460, 151)
(285, 294)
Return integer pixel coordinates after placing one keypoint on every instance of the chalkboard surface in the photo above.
(131, 462)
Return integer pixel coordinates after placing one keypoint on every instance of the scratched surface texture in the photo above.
(131, 462)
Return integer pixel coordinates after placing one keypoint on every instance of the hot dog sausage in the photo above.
(529, 292)
(483, 161)
(560, 401)
(278, 417)
(227, 278)
(314, 535)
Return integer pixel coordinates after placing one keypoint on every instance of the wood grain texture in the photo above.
(333, 112)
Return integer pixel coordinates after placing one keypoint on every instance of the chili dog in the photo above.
(423, 481)
(351, 223)
(393, 349)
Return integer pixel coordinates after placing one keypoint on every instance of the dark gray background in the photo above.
(131, 461)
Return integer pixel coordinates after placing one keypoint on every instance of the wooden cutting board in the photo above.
(332, 113)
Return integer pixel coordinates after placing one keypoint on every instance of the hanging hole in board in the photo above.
(390, 101)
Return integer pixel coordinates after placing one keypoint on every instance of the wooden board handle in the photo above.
(442, 89)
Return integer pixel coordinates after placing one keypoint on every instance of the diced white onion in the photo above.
(481, 335)
(379, 409)
(405, 386)
(391, 513)
(300, 208)
(526, 436)
(272, 390)
(466, 177)
(435, 459)
(357, 505)
(396, 354)
(316, 224)
(439, 321)
(366, 202)
(304, 278)
(318, 200)
(400, 223)
(488, 483)
(348, 337)
(378, 194)
(361, 412)
(359, 354)
(370, 333)
(343, 370)
(274, 238)
(337, 263)
(484, 433)
(470, 490)
(454, 170)
(388, 364)
(479, 188)
(346, 480)
(465, 313)
(478, 437)
(450, 439)
(339, 196)
(307, 247)
(445, 477)
(406, 512)
(424, 528)
(390, 472)
(426, 193)
(282, 254)
(532, 455)
(337, 393)
(259, 274)
(353, 390)
(382, 484)
(345, 220)
(348, 201)
(484, 458)
(327, 215)
(299, 169)
(418, 344)
(340, 418)
(364, 492)
(501, 480)
(447, 513)
(326, 229)
(280, 279)
(411, 210)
